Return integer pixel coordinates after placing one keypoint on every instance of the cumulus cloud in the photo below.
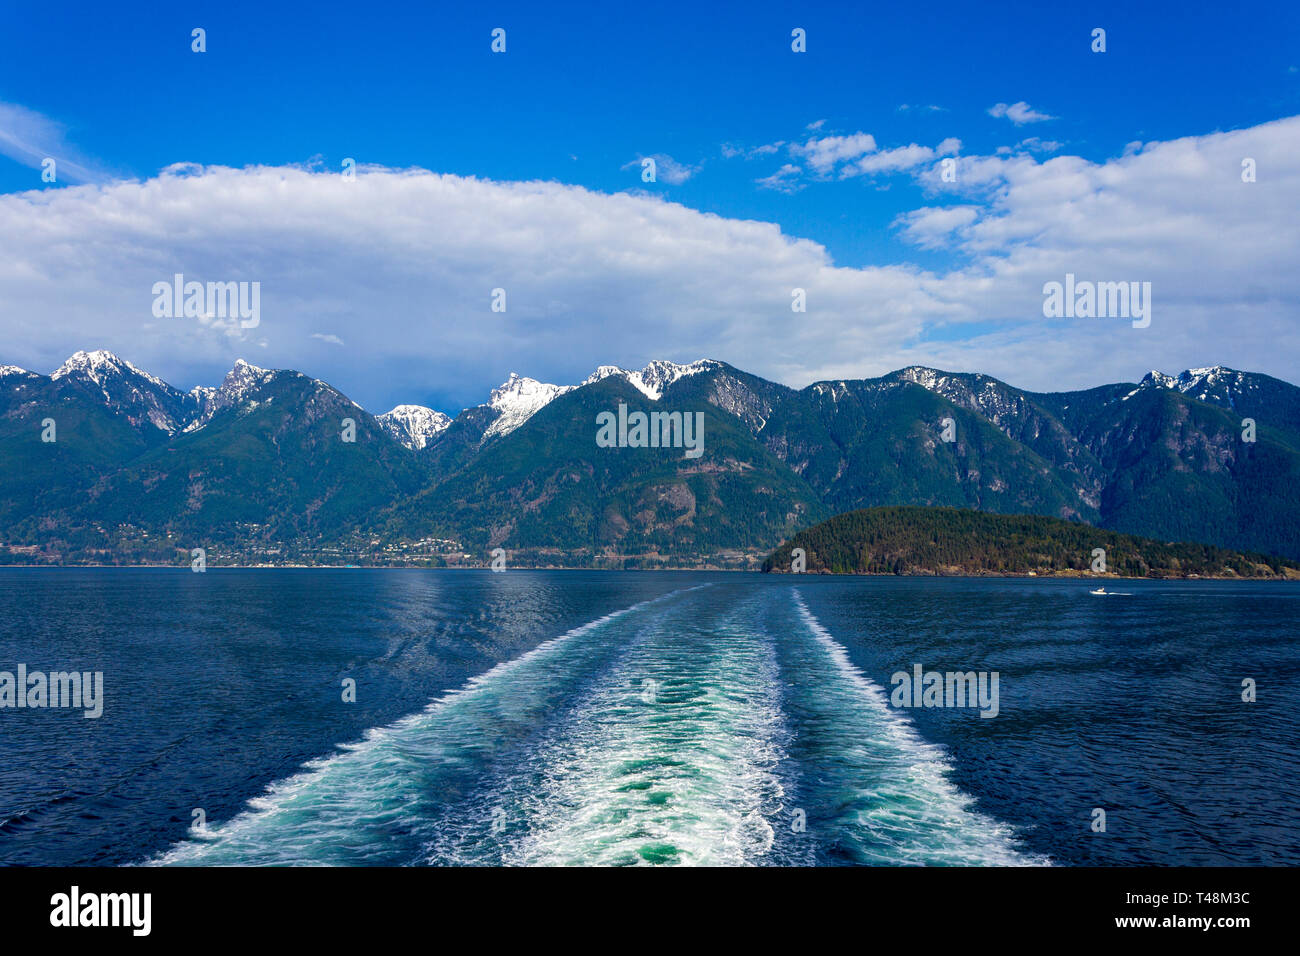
(858, 154)
(408, 260)
(1019, 113)
(822, 154)
(901, 158)
(931, 226)
(1219, 252)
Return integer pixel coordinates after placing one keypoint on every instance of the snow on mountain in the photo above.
(835, 389)
(1217, 384)
(996, 401)
(1158, 379)
(515, 401)
(239, 382)
(413, 425)
(957, 388)
(654, 378)
(605, 371)
(928, 378)
(518, 399)
(1190, 379)
(136, 393)
(202, 394)
(102, 366)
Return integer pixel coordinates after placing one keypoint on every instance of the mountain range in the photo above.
(261, 468)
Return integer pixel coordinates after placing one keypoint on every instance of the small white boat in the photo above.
(1098, 591)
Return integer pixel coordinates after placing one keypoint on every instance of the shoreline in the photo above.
(1048, 576)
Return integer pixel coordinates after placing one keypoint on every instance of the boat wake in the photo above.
(695, 728)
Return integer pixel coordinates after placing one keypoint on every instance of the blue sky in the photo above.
(713, 91)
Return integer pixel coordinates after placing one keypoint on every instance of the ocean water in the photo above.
(625, 718)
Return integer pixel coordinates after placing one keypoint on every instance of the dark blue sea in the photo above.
(564, 717)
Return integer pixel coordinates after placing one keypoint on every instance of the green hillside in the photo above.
(914, 540)
(270, 473)
(256, 468)
(549, 486)
(867, 444)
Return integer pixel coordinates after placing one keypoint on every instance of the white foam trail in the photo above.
(683, 776)
(597, 775)
(916, 814)
(309, 817)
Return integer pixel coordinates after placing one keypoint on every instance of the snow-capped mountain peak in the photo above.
(1217, 383)
(603, 372)
(239, 382)
(1158, 379)
(658, 375)
(137, 394)
(928, 378)
(1192, 378)
(413, 425)
(243, 377)
(654, 378)
(996, 401)
(99, 365)
(518, 399)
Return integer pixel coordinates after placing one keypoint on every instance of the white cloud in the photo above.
(1036, 145)
(29, 138)
(330, 338)
(891, 160)
(822, 154)
(901, 158)
(785, 179)
(408, 260)
(931, 226)
(858, 154)
(667, 169)
(1019, 113)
